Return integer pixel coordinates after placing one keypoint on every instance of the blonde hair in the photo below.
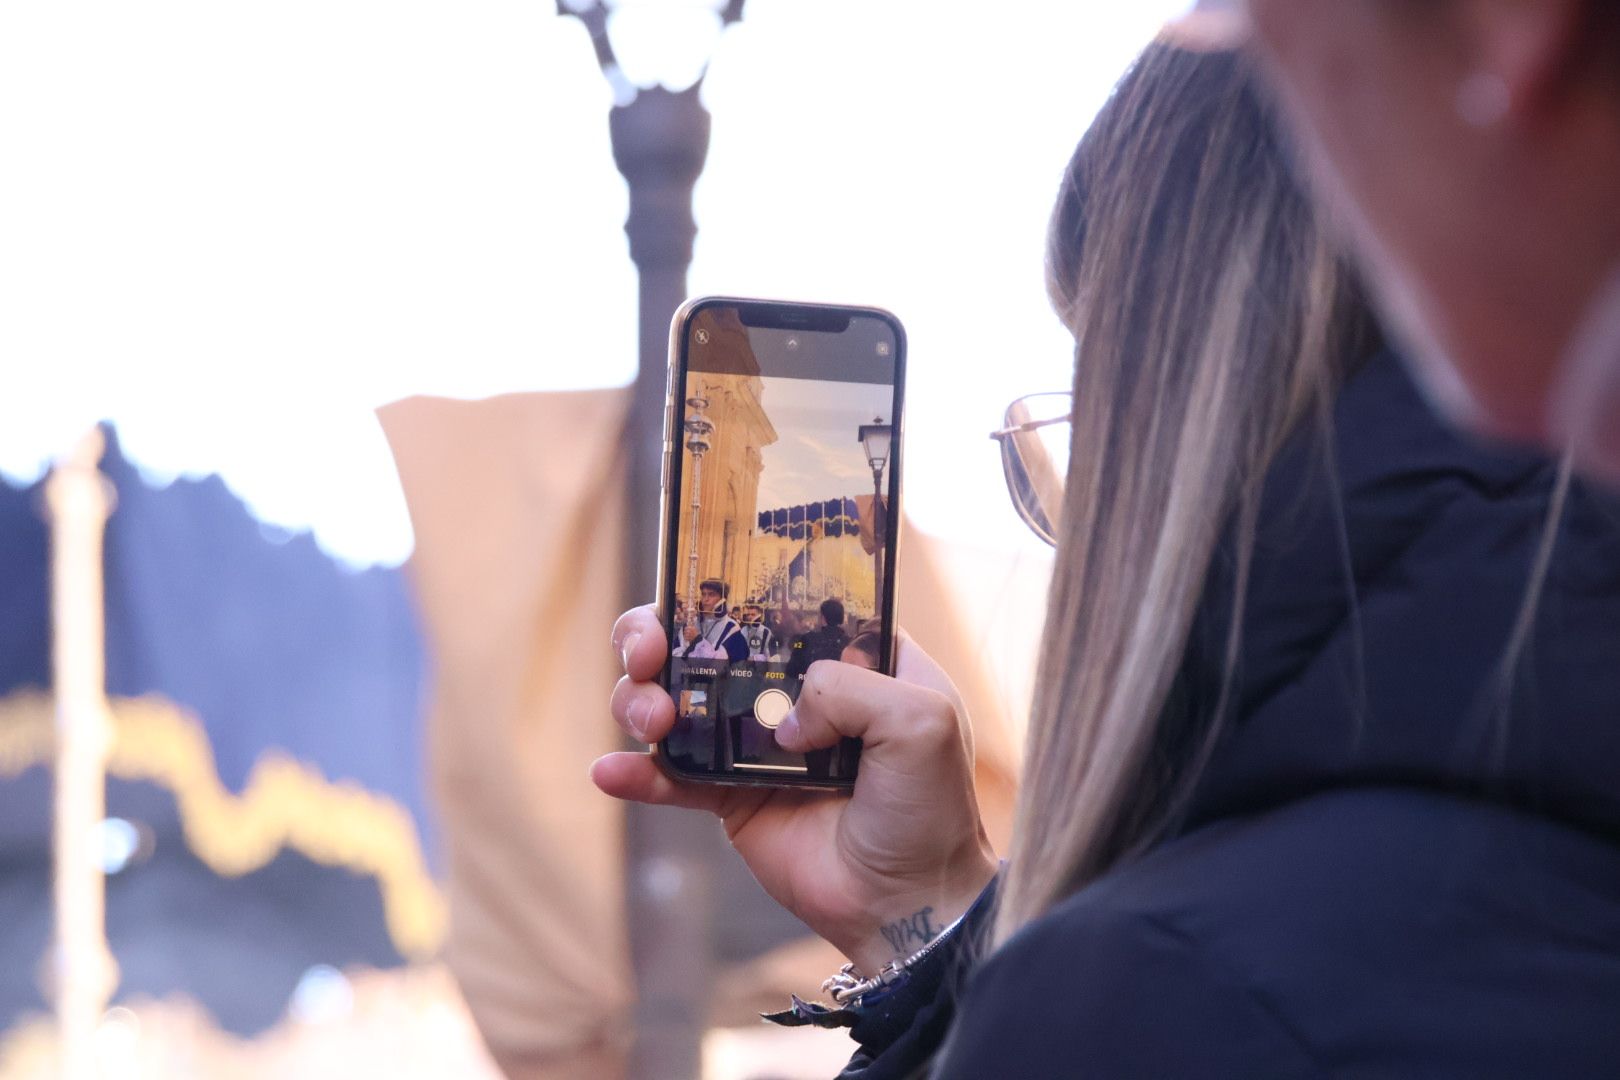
(1211, 316)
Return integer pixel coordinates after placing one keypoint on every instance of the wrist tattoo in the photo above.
(910, 933)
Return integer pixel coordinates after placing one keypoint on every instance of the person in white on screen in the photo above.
(715, 635)
(761, 642)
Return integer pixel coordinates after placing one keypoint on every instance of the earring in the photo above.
(1482, 99)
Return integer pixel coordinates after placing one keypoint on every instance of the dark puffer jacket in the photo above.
(1398, 864)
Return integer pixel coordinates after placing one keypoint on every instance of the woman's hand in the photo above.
(877, 874)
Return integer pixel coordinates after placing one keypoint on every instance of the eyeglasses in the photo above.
(1034, 440)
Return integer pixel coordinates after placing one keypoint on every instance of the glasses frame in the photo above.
(1029, 425)
(1021, 487)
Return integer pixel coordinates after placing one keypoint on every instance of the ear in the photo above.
(1533, 46)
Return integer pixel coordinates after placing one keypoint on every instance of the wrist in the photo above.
(910, 922)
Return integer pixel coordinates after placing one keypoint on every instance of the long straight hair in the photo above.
(1212, 316)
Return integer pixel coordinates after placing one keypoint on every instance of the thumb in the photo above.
(843, 701)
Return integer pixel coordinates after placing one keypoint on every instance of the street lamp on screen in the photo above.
(699, 431)
(876, 438)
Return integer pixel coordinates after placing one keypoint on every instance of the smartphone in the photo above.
(781, 525)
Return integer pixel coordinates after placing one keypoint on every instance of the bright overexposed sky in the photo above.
(235, 229)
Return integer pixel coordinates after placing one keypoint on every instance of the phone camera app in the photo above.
(780, 543)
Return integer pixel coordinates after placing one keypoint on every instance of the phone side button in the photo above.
(663, 471)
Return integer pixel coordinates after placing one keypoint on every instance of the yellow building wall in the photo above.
(729, 494)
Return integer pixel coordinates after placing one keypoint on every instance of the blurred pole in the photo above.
(83, 974)
(660, 141)
(877, 540)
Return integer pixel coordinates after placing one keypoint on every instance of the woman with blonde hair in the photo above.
(1311, 786)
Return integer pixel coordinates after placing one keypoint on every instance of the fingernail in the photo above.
(628, 647)
(787, 732)
(636, 717)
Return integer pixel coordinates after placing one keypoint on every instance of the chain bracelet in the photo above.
(847, 987)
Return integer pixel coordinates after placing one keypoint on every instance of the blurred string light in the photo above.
(118, 1043)
(120, 843)
(323, 994)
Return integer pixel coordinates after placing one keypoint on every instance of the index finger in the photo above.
(639, 639)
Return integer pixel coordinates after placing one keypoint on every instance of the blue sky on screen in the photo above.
(817, 455)
(236, 229)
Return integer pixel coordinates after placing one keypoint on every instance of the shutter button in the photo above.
(771, 708)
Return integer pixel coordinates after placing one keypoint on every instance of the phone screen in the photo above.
(782, 517)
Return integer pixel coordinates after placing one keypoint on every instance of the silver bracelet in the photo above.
(847, 987)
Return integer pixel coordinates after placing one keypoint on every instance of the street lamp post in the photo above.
(875, 438)
(83, 973)
(699, 430)
(660, 138)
